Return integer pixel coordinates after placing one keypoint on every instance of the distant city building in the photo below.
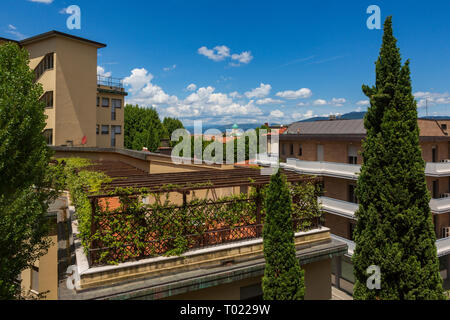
(331, 149)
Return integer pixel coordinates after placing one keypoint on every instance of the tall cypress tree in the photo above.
(283, 277)
(395, 227)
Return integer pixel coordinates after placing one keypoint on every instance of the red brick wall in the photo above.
(338, 225)
(441, 221)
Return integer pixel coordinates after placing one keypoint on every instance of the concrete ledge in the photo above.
(201, 278)
(199, 258)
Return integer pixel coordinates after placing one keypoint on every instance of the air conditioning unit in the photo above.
(445, 160)
(444, 195)
(446, 232)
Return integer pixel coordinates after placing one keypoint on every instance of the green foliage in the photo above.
(143, 128)
(25, 184)
(395, 228)
(172, 124)
(80, 183)
(283, 277)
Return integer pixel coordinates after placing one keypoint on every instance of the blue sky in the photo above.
(250, 61)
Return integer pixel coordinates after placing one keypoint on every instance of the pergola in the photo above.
(125, 175)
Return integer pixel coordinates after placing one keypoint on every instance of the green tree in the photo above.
(143, 128)
(395, 228)
(24, 170)
(172, 124)
(283, 277)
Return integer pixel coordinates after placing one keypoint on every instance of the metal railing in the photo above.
(110, 82)
(339, 169)
(202, 225)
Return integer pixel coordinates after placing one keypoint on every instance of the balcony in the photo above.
(323, 168)
(348, 209)
(440, 205)
(443, 246)
(110, 85)
(338, 207)
(341, 170)
(438, 169)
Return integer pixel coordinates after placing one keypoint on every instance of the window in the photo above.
(98, 129)
(44, 65)
(300, 150)
(105, 102)
(48, 134)
(105, 129)
(98, 101)
(352, 155)
(352, 230)
(292, 149)
(444, 126)
(116, 104)
(116, 129)
(435, 189)
(434, 154)
(35, 279)
(47, 98)
(352, 193)
(283, 149)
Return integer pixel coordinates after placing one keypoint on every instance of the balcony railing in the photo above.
(440, 205)
(443, 246)
(340, 170)
(331, 169)
(438, 169)
(110, 82)
(348, 209)
(339, 207)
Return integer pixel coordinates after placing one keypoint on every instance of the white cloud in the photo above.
(260, 92)
(64, 11)
(338, 102)
(268, 101)
(101, 72)
(292, 95)
(244, 57)
(13, 31)
(431, 98)
(363, 103)
(319, 102)
(170, 68)
(219, 53)
(138, 79)
(277, 114)
(306, 115)
(42, 1)
(204, 102)
(191, 87)
(235, 95)
(144, 92)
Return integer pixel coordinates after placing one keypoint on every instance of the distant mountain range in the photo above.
(246, 126)
(223, 128)
(347, 116)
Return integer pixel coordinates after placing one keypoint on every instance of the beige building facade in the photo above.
(66, 67)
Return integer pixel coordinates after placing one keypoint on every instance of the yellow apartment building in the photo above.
(82, 109)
